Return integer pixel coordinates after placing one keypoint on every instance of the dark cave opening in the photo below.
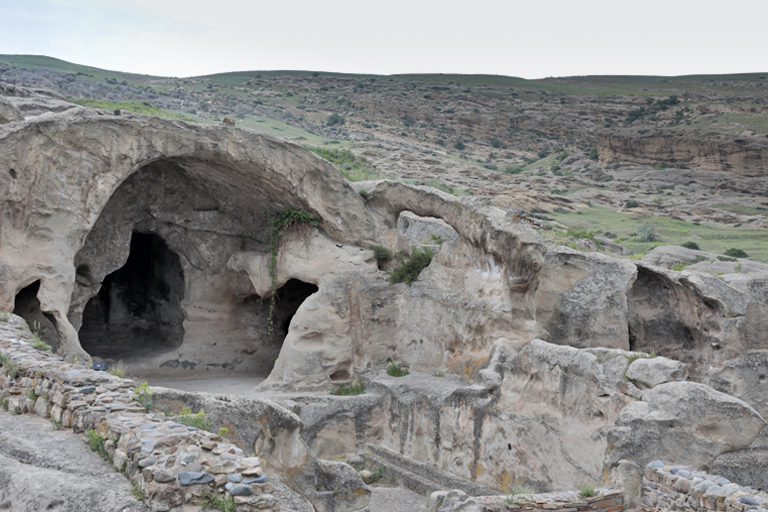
(137, 313)
(27, 306)
(289, 298)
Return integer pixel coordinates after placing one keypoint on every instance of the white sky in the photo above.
(531, 38)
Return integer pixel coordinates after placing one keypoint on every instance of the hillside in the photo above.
(563, 148)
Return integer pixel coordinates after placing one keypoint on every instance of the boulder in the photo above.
(581, 298)
(745, 378)
(646, 373)
(682, 423)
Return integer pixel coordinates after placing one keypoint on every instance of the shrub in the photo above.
(355, 387)
(593, 154)
(631, 203)
(513, 169)
(5, 316)
(363, 193)
(211, 500)
(397, 369)
(37, 341)
(223, 432)
(736, 253)
(196, 420)
(96, 442)
(690, 245)
(378, 473)
(646, 233)
(496, 143)
(543, 153)
(409, 270)
(438, 239)
(587, 491)
(459, 145)
(335, 119)
(145, 395)
(381, 253)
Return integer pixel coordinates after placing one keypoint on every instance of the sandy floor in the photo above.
(211, 382)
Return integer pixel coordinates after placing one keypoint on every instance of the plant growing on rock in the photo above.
(397, 369)
(37, 341)
(381, 253)
(196, 420)
(145, 395)
(96, 443)
(356, 387)
(5, 316)
(212, 500)
(409, 270)
(118, 370)
(587, 491)
(736, 253)
(284, 223)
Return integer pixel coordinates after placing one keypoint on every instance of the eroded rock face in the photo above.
(682, 422)
(198, 199)
(581, 299)
(707, 151)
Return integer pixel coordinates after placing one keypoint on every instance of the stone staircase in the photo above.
(422, 478)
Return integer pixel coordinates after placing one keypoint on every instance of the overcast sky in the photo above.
(531, 38)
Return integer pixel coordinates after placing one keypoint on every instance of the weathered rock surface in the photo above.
(740, 155)
(669, 256)
(648, 373)
(682, 421)
(581, 298)
(45, 469)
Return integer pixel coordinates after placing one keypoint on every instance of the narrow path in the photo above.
(42, 469)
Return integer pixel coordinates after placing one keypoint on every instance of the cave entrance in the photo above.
(27, 306)
(137, 312)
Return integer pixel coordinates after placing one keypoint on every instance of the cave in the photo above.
(27, 306)
(137, 312)
(288, 298)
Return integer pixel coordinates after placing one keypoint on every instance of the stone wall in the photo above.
(681, 489)
(172, 463)
(607, 499)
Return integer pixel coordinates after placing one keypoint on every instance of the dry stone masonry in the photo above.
(674, 488)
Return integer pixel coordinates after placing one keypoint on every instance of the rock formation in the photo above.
(151, 241)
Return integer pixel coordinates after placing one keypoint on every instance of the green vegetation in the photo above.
(145, 395)
(682, 264)
(733, 252)
(136, 492)
(515, 489)
(4, 316)
(741, 209)
(690, 245)
(353, 168)
(356, 387)
(284, 223)
(640, 355)
(408, 271)
(378, 473)
(381, 253)
(135, 107)
(96, 443)
(593, 154)
(459, 144)
(437, 239)
(587, 491)
(223, 432)
(118, 370)
(196, 420)
(709, 237)
(631, 203)
(37, 342)
(363, 193)
(335, 119)
(31, 394)
(213, 500)
(646, 233)
(397, 369)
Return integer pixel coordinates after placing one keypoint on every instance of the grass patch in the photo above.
(213, 500)
(96, 443)
(709, 237)
(397, 369)
(353, 168)
(118, 370)
(740, 210)
(355, 387)
(640, 355)
(135, 107)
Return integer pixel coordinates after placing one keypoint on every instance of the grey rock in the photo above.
(683, 421)
(162, 477)
(257, 480)
(646, 373)
(147, 461)
(235, 478)
(241, 490)
(190, 478)
(87, 390)
(657, 464)
(748, 501)
(186, 459)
